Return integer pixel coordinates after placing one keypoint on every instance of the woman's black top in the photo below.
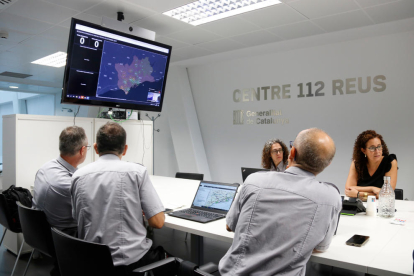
(377, 179)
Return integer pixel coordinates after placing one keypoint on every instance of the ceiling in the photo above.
(41, 27)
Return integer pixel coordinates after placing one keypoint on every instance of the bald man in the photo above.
(280, 218)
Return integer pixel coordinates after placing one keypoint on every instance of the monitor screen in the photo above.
(248, 171)
(109, 68)
(215, 196)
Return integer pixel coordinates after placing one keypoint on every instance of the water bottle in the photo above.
(386, 202)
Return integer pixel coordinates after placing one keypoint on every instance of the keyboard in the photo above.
(200, 213)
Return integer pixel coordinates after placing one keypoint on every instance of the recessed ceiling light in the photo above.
(14, 87)
(55, 60)
(204, 11)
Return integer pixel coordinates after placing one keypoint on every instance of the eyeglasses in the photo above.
(277, 151)
(291, 144)
(88, 147)
(372, 148)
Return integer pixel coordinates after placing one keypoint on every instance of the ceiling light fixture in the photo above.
(14, 87)
(204, 11)
(55, 60)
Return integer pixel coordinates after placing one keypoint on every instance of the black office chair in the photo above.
(192, 176)
(8, 224)
(36, 232)
(399, 194)
(180, 267)
(81, 258)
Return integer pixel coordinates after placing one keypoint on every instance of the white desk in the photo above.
(396, 256)
(179, 191)
(388, 252)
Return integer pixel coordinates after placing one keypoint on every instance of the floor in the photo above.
(172, 240)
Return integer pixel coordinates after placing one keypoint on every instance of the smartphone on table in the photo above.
(357, 240)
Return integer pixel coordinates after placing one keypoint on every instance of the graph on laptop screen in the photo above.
(214, 196)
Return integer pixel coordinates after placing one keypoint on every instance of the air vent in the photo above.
(5, 4)
(13, 74)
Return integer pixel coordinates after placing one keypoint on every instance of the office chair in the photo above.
(36, 232)
(81, 258)
(399, 194)
(192, 176)
(8, 224)
(180, 267)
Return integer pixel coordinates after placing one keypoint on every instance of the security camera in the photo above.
(4, 34)
(131, 29)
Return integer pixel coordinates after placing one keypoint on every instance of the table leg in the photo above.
(197, 249)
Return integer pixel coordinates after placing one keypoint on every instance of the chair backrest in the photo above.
(399, 194)
(194, 176)
(5, 219)
(81, 258)
(36, 230)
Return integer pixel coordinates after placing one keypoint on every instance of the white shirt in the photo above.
(108, 197)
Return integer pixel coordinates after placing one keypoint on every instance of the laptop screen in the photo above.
(215, 196)
(248, 171)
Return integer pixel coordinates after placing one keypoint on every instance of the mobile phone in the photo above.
(291, 144)
(357, 240)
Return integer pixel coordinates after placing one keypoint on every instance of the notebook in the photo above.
(211, 202)
(248, 171)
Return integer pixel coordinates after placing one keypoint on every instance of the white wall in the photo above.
(41, 105)
(5, 109)
(390, 112)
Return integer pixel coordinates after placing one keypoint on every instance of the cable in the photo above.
(99, 112)
(75, 114)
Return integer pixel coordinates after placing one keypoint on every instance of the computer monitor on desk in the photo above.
(248, 171)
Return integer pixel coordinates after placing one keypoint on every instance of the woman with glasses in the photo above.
(275, 155)
(371, 162)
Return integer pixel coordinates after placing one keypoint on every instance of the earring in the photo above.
(365, 156)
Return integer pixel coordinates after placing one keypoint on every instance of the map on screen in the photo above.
(215, 196)
(130, 74)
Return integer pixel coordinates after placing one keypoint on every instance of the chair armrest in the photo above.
(209, 267)
(155, 265)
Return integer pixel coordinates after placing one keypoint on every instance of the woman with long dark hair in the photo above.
(371, 162)
(275, 155)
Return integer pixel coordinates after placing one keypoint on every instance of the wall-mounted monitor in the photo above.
(113, 69)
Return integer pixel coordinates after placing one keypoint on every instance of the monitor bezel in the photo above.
(74, 101)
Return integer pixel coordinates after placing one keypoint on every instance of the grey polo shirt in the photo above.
(278, 219)
(108, 198)
(52, 193)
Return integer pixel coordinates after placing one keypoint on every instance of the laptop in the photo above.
(211, 202)
(248, 171)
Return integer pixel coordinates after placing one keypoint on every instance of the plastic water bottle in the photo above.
(386, 202)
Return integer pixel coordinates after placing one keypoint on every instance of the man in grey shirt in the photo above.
(109, 197)
(53, 180)
(279, 219)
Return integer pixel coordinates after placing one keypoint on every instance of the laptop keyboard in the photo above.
(201, 213)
